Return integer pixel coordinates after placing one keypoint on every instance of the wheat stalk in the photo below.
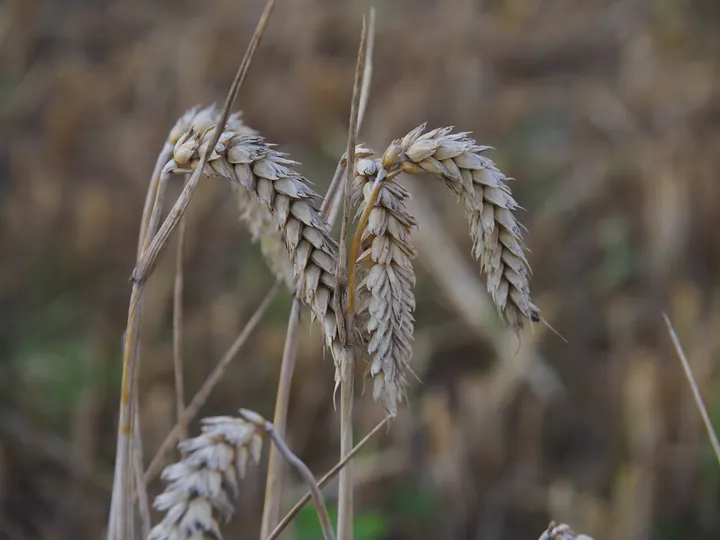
(269, 177)
(121, 508)
(386, 291)
(497, 241)
(207, 387)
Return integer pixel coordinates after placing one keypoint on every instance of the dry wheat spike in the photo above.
(386, 291)
(204, 483)
(252, 213)
(458, 162)
(561, 532)
(269, 177)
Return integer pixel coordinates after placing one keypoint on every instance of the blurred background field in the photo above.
(607, 114)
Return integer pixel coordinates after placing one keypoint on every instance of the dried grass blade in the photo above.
(273, 485)
(325, 480)
(299, 466)
(712, 435)
(143, 269)
(199, 399)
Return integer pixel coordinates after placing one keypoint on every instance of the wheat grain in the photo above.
(269, 177)
(386, 291)
(497, 243)
(203, 484)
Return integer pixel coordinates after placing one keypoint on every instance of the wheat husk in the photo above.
(496, 235)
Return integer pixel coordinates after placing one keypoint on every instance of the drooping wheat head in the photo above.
(255, 215)
(386, 294)
(455, 159)
(271, 180)
(202, 486)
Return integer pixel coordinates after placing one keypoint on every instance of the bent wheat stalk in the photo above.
(121, 511)
(299, 466)
(325, 480)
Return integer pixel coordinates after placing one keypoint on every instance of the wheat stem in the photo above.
(146, 264)
(367, 70)
(694, 387)
(347, 364)
(345, 486)
(273, 490)
(121, 514)
(301, 468)
(273, 485)
(140, 487)
(199, 399)
(142, 271)
(325, 480)
(178, 328)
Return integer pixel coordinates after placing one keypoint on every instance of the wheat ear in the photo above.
(202, 486)
(561, 532)
(497, 240)
(253, 214)
(269, 177)
(386, 291)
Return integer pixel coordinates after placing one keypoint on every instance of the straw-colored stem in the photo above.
(178, 329)
(273, 486)
(324, 481)
(301, 468)
(694, 387)
(117, 530)
(149, 258)
(345, 266)
(140, 487)
(121, 513)
(199, 399)
(367, 70)
(345, 487)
